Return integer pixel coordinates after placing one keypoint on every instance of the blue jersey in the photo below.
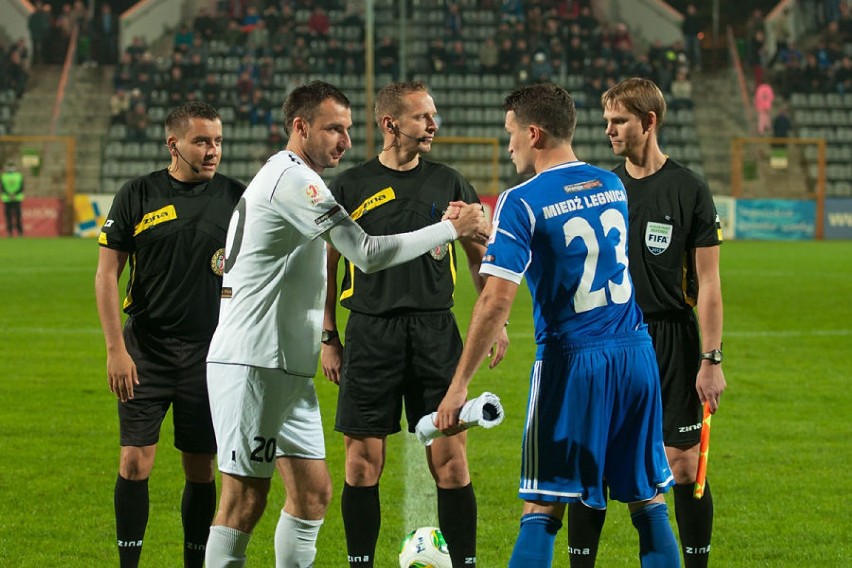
(566, 231)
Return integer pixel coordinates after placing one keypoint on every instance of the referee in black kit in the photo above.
(402, 340)
(170, 226)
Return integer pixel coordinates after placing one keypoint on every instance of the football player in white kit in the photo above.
(264, 352)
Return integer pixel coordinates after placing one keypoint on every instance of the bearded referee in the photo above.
(169, 227)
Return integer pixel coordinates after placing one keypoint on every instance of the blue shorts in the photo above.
(594, 416)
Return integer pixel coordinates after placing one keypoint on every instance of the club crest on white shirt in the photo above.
(658, 236)
(313, 194)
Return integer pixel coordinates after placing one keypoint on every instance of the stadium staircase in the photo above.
(718, 118)
(85, 116)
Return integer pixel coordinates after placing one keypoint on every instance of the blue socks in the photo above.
(657, 545)
(534, 546)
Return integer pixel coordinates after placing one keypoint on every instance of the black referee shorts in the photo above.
(172, 372)
(390, 360)
(678, 346)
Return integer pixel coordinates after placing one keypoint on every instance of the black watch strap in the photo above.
(714, 356)
(328, 335)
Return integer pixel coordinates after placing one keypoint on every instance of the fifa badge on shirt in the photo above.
(658, 236)
(217, 262)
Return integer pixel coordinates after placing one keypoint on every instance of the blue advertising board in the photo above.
(776, 219)
(838, 218)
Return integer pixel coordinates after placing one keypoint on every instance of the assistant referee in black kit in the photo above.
(170, 227)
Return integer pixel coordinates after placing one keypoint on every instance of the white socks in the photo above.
(226, 548)
(295, 542)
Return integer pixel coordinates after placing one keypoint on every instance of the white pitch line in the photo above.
(420, 502)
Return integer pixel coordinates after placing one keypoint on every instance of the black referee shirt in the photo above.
(669, 213)
(175, 235)
(384, 202)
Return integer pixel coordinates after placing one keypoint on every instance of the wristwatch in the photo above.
(328, 335)
(714, 356)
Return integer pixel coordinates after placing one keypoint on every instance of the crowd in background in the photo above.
(534, 40)
(824, 67)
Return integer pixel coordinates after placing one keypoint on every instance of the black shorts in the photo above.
(678, 346)
(388, 360)
(171, 372)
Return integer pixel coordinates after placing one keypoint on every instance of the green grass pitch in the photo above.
(779, 453)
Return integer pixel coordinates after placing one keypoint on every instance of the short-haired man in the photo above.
(594, 414)
(674, 243)
(402, 341)
(264, 353)
(170, 225)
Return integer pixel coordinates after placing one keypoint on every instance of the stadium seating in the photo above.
(827, 116)
(469, 104)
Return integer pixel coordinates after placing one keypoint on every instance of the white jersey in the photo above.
(273, 292)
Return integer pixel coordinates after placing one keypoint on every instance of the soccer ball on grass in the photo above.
(424, 548)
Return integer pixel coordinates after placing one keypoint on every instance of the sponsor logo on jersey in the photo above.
(154, 218)
(313, 194)
(439, 252)
(380, 198)
(590, 184)
(718, 228)
(217, 262)
(658, 236)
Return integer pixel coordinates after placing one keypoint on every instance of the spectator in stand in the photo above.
(354, 56)
(119, 104)
(781, 124)
(175, 86)
(211, 91)
(257, 40)
(136, 49)
(756, 54)
(245, 83)
(523, 69)
(16, 69)
(512, 11)
(250, 19)
(261, 109)
(204, 25)
(234, 38)
(764, 95)
(39, 26)
(137, 123)
(457, 58)
(843, 76)
(489, 56)
(436, 55)
(300, 54)
(692, 27)
(319, 23)
(387, 57)
(681, 91)
(105, 31)
(541, 71)
(576, 55)
(195, 70)
(453, 20)
(335, 57)
(274, 140)
(184, 38)
(242, 109)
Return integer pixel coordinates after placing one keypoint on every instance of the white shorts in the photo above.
(260, 415)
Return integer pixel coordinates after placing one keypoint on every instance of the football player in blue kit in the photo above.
(594, 413)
